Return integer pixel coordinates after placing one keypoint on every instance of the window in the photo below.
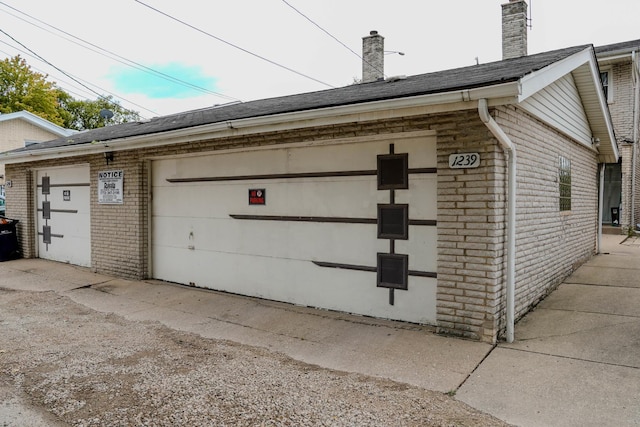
(564, 172)
(605, 78)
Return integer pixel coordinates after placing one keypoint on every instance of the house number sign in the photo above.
(464, 160)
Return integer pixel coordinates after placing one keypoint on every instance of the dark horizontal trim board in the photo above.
(342, 220)
(72, 211)
(52, 235)
(79, 184)
(370, 269)
(293, 175)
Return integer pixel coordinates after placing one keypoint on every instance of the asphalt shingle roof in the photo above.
(621, 47)
(437, 82)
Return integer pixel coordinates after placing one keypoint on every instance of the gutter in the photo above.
(510, 151)
(422, 104)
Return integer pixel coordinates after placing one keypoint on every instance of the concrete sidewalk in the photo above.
(576, 359)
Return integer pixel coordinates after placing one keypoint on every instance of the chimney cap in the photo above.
(373, 33)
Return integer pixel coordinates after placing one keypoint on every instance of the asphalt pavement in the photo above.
(575, 361)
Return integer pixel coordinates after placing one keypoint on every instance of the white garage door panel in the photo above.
(304, 283)
(341, 243)
(348, 197)
(70, 219)
(420, 197)
(421, 246)
(196, 240)
(337, 157)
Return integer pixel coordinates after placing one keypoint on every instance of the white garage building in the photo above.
(387, 199)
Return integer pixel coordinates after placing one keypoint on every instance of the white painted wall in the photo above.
(194, 240)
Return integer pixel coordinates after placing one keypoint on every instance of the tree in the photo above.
(87, 114)
(23, 89)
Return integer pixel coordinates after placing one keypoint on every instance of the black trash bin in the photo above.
(8, 239)
(615, 216)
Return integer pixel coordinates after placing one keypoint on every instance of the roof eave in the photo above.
(414, 105)
(38, 121)
(597, 110)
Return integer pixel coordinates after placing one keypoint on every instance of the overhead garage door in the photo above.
(300, 225)
(63, 218)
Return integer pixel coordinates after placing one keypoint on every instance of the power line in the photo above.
(233, 45)
(99, 95)
(40, 70)
(113, 55)
(333, 37)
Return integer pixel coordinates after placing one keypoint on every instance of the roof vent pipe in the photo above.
(372, 57)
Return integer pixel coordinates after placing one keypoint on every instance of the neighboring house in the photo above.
(458, 198)
(17, 130)
(620, 71)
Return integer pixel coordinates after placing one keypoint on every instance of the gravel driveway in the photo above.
(64, 364)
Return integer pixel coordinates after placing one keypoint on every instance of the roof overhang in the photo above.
(583, 66)
(37, 121)
(504, 93)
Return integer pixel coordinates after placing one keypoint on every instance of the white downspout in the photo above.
(634, 150)
(600, 207)
(510, 150)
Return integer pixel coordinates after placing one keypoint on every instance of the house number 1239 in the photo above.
(464, 160)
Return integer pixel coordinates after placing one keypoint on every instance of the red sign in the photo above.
(257, 196)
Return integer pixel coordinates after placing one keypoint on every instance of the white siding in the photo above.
(560, 106)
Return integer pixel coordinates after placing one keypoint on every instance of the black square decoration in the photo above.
(46, 210)
(46, 234)
(393, 171)
(393, 221)
(46, 185)
(393, 271)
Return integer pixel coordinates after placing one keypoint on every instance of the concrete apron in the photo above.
(399, 351)
(576, 359)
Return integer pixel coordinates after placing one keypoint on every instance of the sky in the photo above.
(161, 57)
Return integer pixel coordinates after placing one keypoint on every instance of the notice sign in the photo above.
(110, 186)
(257, 196)
(66, 195)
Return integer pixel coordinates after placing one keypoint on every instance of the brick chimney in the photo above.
(372, 57)
(514, 29)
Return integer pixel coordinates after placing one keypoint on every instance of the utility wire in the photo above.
(233, 45)
(40, 70)
(99, 95)
(113, 55)
(75, 81)
(333, 37)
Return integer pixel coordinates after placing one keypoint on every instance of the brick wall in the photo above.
(471, 210)
(550, 244)
(621, 106)
(471, 232)
(626, 153)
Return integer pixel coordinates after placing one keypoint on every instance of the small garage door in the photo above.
(301, 225)
(63, 217)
